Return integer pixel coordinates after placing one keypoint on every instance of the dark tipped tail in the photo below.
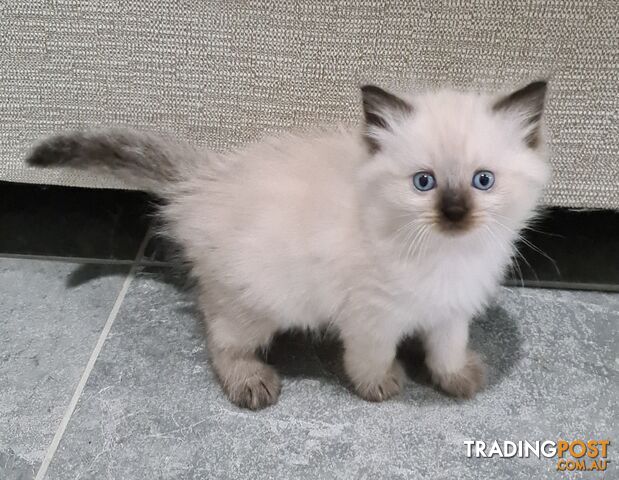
(147, 161)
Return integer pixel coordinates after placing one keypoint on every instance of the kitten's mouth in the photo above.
(456, 228)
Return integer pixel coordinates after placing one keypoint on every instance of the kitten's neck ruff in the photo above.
(428, 246)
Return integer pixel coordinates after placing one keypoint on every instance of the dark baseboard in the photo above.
(72, 222)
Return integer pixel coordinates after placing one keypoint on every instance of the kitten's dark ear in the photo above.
(380, 109)
(528, 102)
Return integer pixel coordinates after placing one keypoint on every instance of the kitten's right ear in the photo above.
(380, 109)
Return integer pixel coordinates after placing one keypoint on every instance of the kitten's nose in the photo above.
(454, 205)
(454, 213)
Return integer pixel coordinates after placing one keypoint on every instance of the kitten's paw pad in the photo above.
(466, 382)
(255, 390)
(384, 389)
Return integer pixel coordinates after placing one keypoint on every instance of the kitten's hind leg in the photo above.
(234, 335)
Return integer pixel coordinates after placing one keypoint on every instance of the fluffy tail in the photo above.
(147, 161)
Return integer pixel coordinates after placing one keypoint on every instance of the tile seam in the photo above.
(88, 260)
(77, 393)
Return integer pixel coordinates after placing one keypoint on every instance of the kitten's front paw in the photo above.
(255, 388)
(467, 381)
(385, 388)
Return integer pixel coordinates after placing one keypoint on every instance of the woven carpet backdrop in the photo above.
(221, 73)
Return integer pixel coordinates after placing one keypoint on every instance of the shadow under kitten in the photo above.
(495, 335)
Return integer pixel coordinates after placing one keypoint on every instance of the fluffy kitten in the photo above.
(404, 226)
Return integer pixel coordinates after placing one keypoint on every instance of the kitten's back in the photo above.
(280, 211)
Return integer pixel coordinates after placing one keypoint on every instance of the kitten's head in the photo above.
(453, 164)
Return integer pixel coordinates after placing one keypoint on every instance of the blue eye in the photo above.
(483, 180)
(424, 181)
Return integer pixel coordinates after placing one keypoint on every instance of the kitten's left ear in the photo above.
(381, 109)
(528, 103)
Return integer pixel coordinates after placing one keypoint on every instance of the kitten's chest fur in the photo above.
(443, 285)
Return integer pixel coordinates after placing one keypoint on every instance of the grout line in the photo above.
(557, 285)
(99, 261)
(49, 454)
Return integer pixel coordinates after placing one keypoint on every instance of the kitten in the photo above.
(404, 226)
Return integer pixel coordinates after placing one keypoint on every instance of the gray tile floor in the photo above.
(108, 364)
